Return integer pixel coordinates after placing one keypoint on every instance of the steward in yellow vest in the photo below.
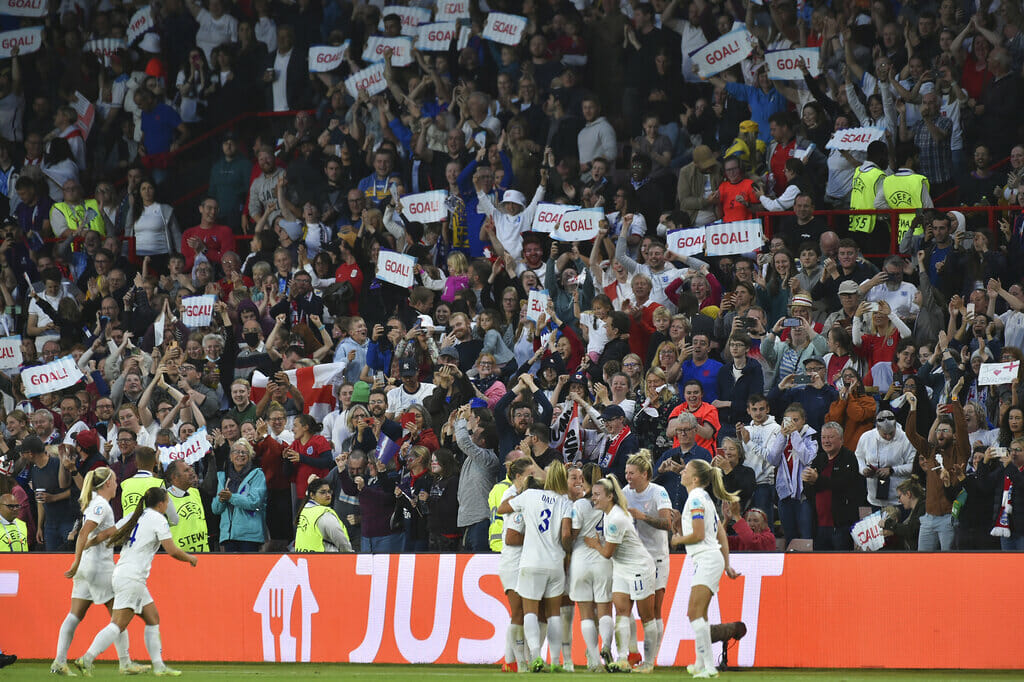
(79, 216)
(905, 189)
(13, 531)
(191, 533)
(862, 196)
(308, 536)
(494, 531)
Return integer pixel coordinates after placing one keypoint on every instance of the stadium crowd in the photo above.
(824, 374)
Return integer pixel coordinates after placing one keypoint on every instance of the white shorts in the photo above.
(540, 583)
(707, 569)
(130, 594)
(638, 586)
(92, 583)
(590, 581)
(661, 571)
(509, 577)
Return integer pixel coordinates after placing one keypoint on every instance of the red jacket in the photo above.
(218, 239)
(746, 540)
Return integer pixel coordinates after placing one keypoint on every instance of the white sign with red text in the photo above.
(867, 533)
(51, 377)
(426, 207)
(396, 268)
(10, 352)
(86, 111)
(192, 450)
(451, 10)
(727, 239)
(506, 29)
(436, 37)
(579, 226)
(997, 373)
(370, 79)
(25, 40)
(324, 58)
(24, 8)
(197, 311)
(686, 242)
(782, 64)
(411, 18)
(401, 50)
(140, 22)
(717, 56)
(536, 305)
(105, 47)
(854, 139)
(548, 215)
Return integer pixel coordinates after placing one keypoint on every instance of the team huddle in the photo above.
(615, 543)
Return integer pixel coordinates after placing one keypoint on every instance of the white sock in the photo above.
(702, 643)
(566, 612)
(67, 633)
(531, 629)
(104, 638)
(606, 628)
(633, 648)
(589, 629)
(519, 647)
(555, 637)
(543, 638)
(510, 639)
(650, 641)
(121, 646)
(151, 633)
(661, 633)
(622, 636)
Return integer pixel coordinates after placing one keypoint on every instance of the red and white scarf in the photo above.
(613, 449)
(1002, 527)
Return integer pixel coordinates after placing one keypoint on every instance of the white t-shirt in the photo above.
(589, 521)
(280, 84)
(213, 32)
(399, 399)
(901, 301)
(42, 319)
(631, 557)
(543, 512)
(699, 505)
(1013, 328)
(653, 499)
(98, 511)
(597, 332)
(142, 543)
(510, 554)
(151, 231)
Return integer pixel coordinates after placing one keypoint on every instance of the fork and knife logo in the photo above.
(275, 603)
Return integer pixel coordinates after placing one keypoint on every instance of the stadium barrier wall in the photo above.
(802, 610)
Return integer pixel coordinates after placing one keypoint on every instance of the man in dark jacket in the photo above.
(737, 388)
(514, 414)
(618, 343)
(838, 489)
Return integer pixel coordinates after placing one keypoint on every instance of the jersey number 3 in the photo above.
(545, 520)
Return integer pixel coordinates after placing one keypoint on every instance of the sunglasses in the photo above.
(882, 420)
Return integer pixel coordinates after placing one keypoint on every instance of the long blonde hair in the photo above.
(557, 479)
(713, 475)
(611, 487)
(93, 480)
(642, 461)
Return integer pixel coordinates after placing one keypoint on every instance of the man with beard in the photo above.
(514, 414)
(533, 257)
(263, 190)
(461, 337)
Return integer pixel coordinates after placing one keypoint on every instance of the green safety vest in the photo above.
(494, 531)
(904, 191)
(75, 216)
(14, 536)
(307, 536)
(862, 198)
(132, 490)
(191, 533)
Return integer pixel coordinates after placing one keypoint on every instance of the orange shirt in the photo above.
(733, 210)
(705, 414)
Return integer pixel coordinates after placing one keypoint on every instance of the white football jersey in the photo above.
(102, 515)
(510, 554)
(700, 505)
(543, 512)
(142, 544)
(631, 557)
(653, 499)
(589, 521)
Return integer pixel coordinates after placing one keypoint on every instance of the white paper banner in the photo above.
(727, 239)
(536, 305)
(426, 207)
(686, 242)
(782, 64)
(24, 8)
(51, 377)
(996, 373)
(411, 18)
(548, 215)
(729, 50)
(10, 352)
(396, 268)
(867, 533)
(105, 47)
(140, 22)
(192, 450)
(579, 226)
(86, 111)
(370, 79)
(436, 37)
(324, 58)
(855, 139)
(27, 40)
(450, 10)
(197, 311)
(506, 29)
(400, 47)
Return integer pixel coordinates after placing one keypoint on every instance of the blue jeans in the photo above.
(55, 534)
(240, 546)
(1014, 543)
(936, 533)
(764, 499)
(475, 538)
(385, 544)
(797, 518)
(830, 538)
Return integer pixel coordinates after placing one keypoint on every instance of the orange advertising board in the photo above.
(801, 610)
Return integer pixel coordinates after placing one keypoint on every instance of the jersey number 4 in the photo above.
(131, 538)
(545, 520)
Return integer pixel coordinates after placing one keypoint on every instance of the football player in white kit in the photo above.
(590, 574)
(651, 509)
(547, 535)
(142, 535)
(92, 569)
(632, 572)
(708, 548)
(519, 472)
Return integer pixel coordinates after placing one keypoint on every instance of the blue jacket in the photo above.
(670, 480)
(751, 382)
(762, 105)
(242, 517)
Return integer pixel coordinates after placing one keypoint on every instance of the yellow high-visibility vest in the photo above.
(132, 490)
(904, 191)
(494, 531)
(14, 536)
(191, 534)
(308, 537)
(862, 198)
(83, 215)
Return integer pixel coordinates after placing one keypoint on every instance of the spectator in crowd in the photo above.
(837, 488)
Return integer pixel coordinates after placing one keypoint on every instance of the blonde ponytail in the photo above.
(93, 480)
(612, 488)
(707, 474)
